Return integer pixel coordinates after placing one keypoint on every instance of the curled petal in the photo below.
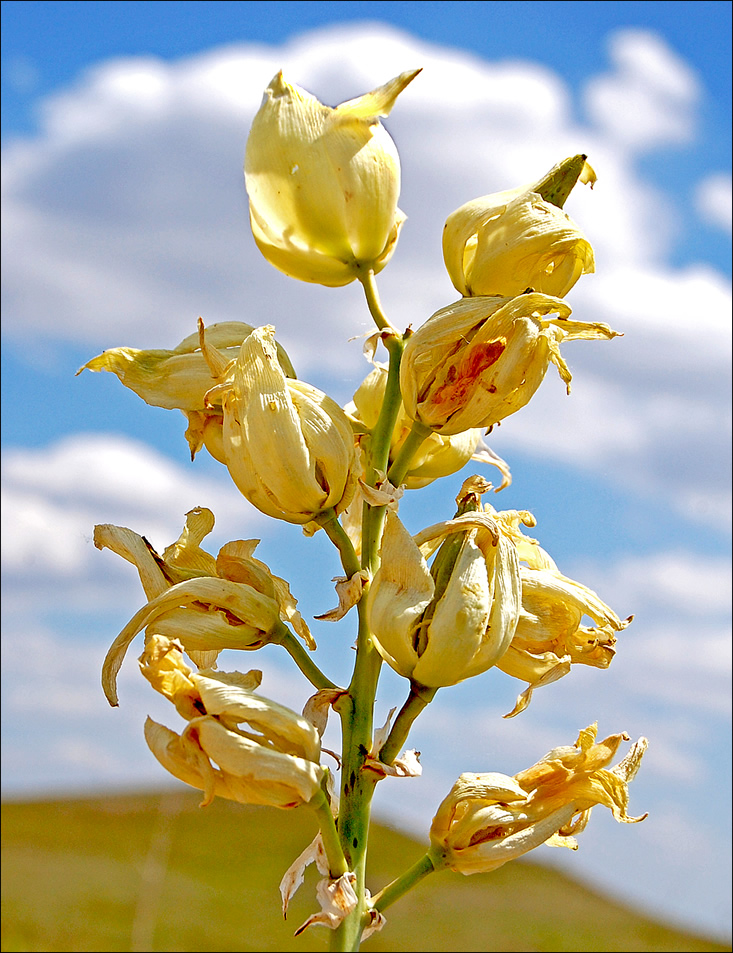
(136, 550)
(349, 591)
(256, 614)
(293, 876)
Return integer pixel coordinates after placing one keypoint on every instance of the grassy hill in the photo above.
(153, 872)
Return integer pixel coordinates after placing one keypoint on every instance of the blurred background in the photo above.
(125, 218)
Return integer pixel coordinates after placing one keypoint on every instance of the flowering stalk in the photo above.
(357, 710)
(323, 187)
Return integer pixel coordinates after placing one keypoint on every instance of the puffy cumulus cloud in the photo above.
(128, 212)
(678, 582)
(649, 96)
(714, 201)
(53, 496)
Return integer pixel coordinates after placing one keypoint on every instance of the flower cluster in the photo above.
(465, 595)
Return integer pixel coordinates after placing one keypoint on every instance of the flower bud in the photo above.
(273, 760)
(288, 447)
(206, 604)
(489, 819)
(323, 183)
(479, 360)
(438, 627)
(504, 243)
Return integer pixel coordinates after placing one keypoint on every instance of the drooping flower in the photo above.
(323, 183)
(237, 744)
(507, 242)
(481, 359)
(489, 819)
(178, 379)
(440, 626)
(288, 446)
(550, 636)
(206, 604)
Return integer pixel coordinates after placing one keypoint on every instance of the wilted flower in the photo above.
(207, 604)
(479, 360)
(265, 753)
(288, 446)
(438, 628)
(179, 379)
(438, 455)
(323, 183)
(489, 819)
(504, 243)
(550, 636)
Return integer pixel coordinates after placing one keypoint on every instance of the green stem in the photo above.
(304, 662)
(402, 884)
(416, 437)
(340, 539)
(337, 865)
(417, 701)
(369, 283)
(357, 708)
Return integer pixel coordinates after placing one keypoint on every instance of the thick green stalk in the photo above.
(357, 707)
(357, 786)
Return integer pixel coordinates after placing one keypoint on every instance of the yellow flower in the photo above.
(479, 360)
(507, 242)
(207, 604)
(323, 183)
(438, 628)
(288, 447)
(178, 379)
(489, 819)
(549, 638)
(262, 752)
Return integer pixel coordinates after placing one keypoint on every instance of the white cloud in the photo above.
(53, 497)
(714, 201)
(648, 99)
(126, 219)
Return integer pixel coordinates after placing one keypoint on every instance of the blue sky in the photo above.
(124, 217)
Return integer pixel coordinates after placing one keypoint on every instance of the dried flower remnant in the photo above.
(262, 752)
(477, 361)
(207, 604)
(489, 819)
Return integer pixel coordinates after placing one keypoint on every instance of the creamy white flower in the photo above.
(323, 183)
